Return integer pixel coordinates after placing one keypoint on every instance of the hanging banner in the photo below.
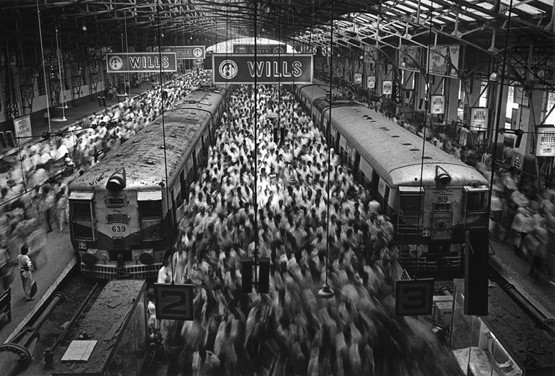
(438, 104)
(479, 119)
(520, 96)
(268, 69)
(260, 49)
(387, 87)
(141, 62)
(410, 58)
(187, 52)
(443, 60)
(370, 82)
(358, 78)
(545, 144)
(22, 127)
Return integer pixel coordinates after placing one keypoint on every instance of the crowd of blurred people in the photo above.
(33, 187)
(312, 232)
(524, 217)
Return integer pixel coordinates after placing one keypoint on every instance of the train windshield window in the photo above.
(81, 210)
(476, 201)
(149, 209)
(410, 200)
(476, 198)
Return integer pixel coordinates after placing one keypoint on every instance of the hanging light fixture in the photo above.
(326, 291)
(46, 91)
(61, 77)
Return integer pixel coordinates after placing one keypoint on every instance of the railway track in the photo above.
(67, 306)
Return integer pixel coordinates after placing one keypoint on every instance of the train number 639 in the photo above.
(118, 229)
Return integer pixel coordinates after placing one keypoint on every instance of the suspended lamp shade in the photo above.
(326, 292)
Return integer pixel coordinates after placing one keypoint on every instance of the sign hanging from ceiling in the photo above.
(268, 69)
(260, 49)
(141, 62)
(187, 52)
(443, 60)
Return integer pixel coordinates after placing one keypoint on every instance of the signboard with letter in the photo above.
(438, 104)
(22, 127)
(545, 145)
(358, 78)
(387, 87)
(479, 118)
(141, 62)
(268, 69)
(443, 60)
(187, 52)
(173, 302)
(260, 49)
(370, 82)
(414, 297)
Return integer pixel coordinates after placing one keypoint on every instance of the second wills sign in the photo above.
(268, 69)
(145, 62)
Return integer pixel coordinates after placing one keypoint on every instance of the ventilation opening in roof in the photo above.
(426, 157)
(406, 143)
(414, 149)
(395, 136)
(384, 128)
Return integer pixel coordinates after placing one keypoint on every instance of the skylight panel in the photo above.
(405, 8)
(528, 9)
(466, 18)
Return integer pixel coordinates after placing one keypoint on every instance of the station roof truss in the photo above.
(486, 27)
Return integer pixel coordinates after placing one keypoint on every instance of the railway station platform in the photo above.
(539, 292)
(77, 110)
(54, 263)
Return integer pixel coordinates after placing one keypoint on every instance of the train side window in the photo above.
(82, 215)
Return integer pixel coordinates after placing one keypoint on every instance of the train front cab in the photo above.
(432, 230)
(110, 243)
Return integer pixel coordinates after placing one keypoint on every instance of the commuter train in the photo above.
(123, 210)
(433, 199)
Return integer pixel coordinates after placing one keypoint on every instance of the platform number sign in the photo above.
(414, 297)
(173, 302)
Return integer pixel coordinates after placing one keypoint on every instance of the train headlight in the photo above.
(116, 182)
(443, 179)
(89, 258)
(146, 258)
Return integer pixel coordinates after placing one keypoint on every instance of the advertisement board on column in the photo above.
(387, 87)
(371, 82)
(545, 145)
(438, 104)
(479, 118)
(358, 78)
(22, 127)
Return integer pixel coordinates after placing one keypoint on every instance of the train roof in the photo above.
(396, 153)
(143, 154)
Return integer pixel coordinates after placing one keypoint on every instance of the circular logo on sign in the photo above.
(228, 69)
(115, 62)
(197, 52)
(279, 50)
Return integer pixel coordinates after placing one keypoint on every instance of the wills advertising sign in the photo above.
(187, 52)
(260, 49)
(268, 69)
(141, 62)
